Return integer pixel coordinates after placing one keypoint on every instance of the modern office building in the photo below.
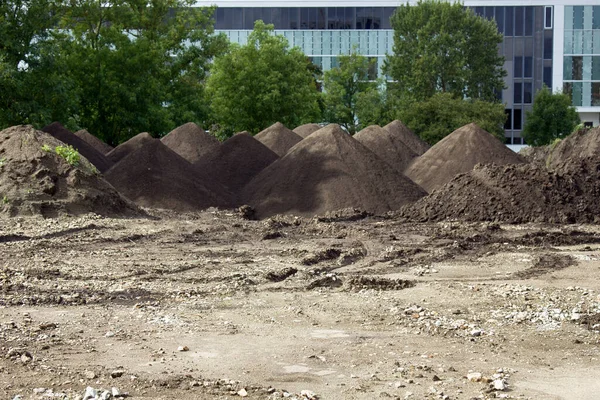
(551, 42)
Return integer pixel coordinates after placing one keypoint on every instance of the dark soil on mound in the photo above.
(458, 153)
(157, 177)
(580, 147)
(329, 171)
(85, 149)
(128, 147)
(306, 129)
(94, 141)
(191, 142)
(278, 138)
(410, 139)
(34, 180)
(387, 146)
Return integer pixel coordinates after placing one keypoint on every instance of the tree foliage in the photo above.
(350, 99)
(552, 117)
(435, 118)
(444, 47)
(255, 85)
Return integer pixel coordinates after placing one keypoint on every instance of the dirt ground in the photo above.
(212, 306)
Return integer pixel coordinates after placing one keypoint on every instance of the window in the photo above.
(517, 140)
(527, 92)
(548, 18)
(321, 18)
(281, 18)
(588, 124)
(578, 17)
(304, 18)
(385, 19)
(548, 76)
(518, 93)
(349, 18)
(548, 50)
(595, 93)
(529, 21)
(577, 68)
(508, 122)
(518, 67)
(489, 12)
(517, 119)
(528, 67)
(500, 19)
(509, 21)
(596, 68)
(479, 11)
(519, 17)
(596, 17)
(294, 18)
(372, 72)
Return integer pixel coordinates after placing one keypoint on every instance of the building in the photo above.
(551, 42)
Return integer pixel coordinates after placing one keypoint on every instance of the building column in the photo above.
(558, 48)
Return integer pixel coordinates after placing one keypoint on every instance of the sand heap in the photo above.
(128, 147)
(155, 176)
(66, 136)
(306, 129)
(278, 138)
(329, 170)
(457, 153)
(237, 161)
(34, 180)
(93, 141)
(388, 145)
(191, 142)
(401, 131)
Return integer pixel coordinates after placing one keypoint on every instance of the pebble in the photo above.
(117, 373)
(242, 393)
(90, 393)
(308, 395)
(89, 374)
(499, 385)
(183, 348)
(474, 376)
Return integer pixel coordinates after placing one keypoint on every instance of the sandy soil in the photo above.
(297, 308)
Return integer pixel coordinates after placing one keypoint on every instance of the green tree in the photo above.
(348, 92)
(552, 117)
(444, 47)
(260, 83)
(440, 115)
(137, 65)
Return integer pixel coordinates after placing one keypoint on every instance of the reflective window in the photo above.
(548, 76)
(294, 18)
(578, 17)
(519, 17)
(518, 93)
(548, 18)
(596, 17)
(548, 43)
(596, 68)
(385, 18)
(595, 93)
(509, 21)
(517, 119)
(528, 67)
(489, 12)
(529, 21)
(479, 11)
(577, 68)
(321, 18)
(577, 94)
(500, 19)
(508, 122)
(518, 67)
(527, 92)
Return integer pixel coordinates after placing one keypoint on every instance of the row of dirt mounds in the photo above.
(93, 141)
(388, 145)
(397, 129)
(329, 170)
(35, 180)
(128, 147)
(278, 138)
(191, 142)
(306, 129)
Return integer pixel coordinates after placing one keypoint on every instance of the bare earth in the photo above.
(297, 308)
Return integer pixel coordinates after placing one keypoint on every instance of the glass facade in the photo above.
(581, 62)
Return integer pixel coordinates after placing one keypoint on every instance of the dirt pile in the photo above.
(327, 171)
(517, 193)
(278, 138)
(401, 131)
(157, 177)
(580, 147)
(35, 180)
(66, 136)
(306, 129)
(191, 142)
(93, 141)
(387, 145)
(125, 148)
(237, 161)
(458, 153)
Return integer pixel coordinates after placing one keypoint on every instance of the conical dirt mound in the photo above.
(458, 153)
(35, 180)
(387, 146)
(191, 142)
(128, 147)
(66, 136)
(569, 153)
(328, 171)
(93, 141)
(306, 129)
(401, 131)
(157, 177)
(237, 161)
(278, 138)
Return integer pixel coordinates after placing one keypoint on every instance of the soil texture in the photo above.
(128, 147)
(191, 142)
(306, 129)
(388, 145)
(278, 138)
(398, 130)
(93, 141)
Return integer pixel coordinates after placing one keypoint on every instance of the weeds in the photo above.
(69, 154)
(46, 148)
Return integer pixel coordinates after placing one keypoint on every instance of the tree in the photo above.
(137, 65)
(437, 117)
(552, 117)
(349, 92)
(444, 47)
(255, 85)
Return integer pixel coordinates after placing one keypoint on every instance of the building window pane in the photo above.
(528, 21)
(349, 20)
(304, 18)
(568, 90)
(518, 93)
(548, 18)
(509, 21)
(548, 76)
(489, 13)
(519, 11)
(527, 92)
(386, 18)
(377, 17)
(508, 122)
(528, 67)
(518, 67)
(294, 18)
(321, 18)
(578, 17)
(479, 11)
(500, 19)
(596, 68)
(237, 18)
(517, 119)
(577, 68)
(548, 43)
(577, 94)
(517, 140)
(596, 17)
(595, 93)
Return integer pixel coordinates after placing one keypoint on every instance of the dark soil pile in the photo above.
(191, 142)
(237, 161)
(278, 138)
(401, 131)
(93, 141)
(157, 177)
(458, 153)
(580, 147)
(536, 155)
(128, 147)
(34, 180)
(387, 145)
(513, 194)
(306, 129)
(66, 136)
(327, 171)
